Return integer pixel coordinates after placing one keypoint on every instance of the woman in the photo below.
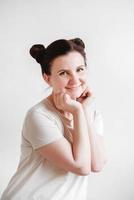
(62, 135)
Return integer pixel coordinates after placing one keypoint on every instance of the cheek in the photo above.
(85, 77)
(85, 80)
(59, 83)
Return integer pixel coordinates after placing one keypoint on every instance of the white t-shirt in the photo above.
(36, 178)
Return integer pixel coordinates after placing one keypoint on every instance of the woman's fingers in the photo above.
(87, 92)
(56, 99)
(66, 98)
(59, 99)
(85, 95)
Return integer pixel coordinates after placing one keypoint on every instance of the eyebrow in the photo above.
(69, 70)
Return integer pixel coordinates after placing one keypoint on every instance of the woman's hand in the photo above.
(86, 97)
(64, 102)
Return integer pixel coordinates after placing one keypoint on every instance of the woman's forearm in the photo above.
(97, 160)
(97, 150)
(81, 143)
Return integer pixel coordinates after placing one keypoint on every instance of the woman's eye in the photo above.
(63, 73)
(80, 69)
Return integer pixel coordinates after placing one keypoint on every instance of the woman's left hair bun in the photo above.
(79, 42)
(37, 51)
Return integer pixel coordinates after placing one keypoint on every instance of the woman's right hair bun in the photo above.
(37, 51)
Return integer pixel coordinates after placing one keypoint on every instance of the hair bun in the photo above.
(79, 42)
(37, 51)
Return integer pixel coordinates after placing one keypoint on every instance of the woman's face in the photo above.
(68, 74)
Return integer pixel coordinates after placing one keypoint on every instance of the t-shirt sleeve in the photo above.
(40, 129)
(95, 117)
(98, 123)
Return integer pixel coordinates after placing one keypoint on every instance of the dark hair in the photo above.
(45, 56)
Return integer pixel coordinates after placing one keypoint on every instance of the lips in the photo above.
(73, 87)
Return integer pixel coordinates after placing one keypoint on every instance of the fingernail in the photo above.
(58, 91)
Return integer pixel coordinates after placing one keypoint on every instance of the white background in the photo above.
(107, 28)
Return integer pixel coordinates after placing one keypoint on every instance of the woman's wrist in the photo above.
(77, 110)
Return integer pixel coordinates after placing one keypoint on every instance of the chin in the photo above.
(75, 95)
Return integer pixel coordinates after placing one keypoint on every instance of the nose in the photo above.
(74, 80)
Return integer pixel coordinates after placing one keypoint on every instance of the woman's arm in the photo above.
(75, 157)
(81, 144)
(97, 144)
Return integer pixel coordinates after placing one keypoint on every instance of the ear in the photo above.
(47, 78)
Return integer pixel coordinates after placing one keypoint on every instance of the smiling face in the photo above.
(68, 74)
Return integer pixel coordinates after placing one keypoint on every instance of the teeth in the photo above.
(74, 87)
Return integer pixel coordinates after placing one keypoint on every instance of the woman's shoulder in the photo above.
(42, 108)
